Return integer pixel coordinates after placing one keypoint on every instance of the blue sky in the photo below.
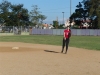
(50, 8)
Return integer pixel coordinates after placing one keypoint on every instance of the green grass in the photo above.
(87, 42)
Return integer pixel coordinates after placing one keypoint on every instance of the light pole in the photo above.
(70, 13)
(63, 17)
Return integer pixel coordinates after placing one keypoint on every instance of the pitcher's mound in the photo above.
(15, 49)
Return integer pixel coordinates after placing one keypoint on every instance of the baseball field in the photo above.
(40, 55)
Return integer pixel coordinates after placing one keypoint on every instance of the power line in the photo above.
(57, 9)
(55, 12)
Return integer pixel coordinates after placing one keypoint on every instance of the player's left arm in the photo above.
(70, 33)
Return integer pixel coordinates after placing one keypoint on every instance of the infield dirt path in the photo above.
(37, 59)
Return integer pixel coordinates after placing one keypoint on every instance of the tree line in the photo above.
(17, 15)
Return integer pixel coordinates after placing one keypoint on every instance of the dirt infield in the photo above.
(35, 59)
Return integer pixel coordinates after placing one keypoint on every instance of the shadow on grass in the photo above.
(51, 51)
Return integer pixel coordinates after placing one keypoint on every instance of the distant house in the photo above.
(47, 26)
(67, 23)
(85, 23)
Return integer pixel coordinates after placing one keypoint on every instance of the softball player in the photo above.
(66, 39)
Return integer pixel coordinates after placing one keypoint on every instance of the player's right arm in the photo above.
(64, 35)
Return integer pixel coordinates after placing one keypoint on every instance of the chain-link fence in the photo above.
(79, 32)
(21, 30)
(14, 30)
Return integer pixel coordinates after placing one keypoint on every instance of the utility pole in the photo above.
(70, 13)
(63, 17)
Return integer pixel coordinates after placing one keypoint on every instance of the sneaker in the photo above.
(66, 52)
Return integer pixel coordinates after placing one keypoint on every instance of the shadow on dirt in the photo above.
(51, 51)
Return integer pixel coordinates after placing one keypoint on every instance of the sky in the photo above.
(52, 9)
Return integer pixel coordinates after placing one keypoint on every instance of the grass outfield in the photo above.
(87, 42)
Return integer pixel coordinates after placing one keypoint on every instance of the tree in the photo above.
(35, 15)
(5, 12)
(78, 15)
(19, 15)
(55, 24)
(78, 12)
(88, 9)
(13, 14)
(94, 13)
(41, 18)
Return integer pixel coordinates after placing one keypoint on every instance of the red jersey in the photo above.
(67, 33)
